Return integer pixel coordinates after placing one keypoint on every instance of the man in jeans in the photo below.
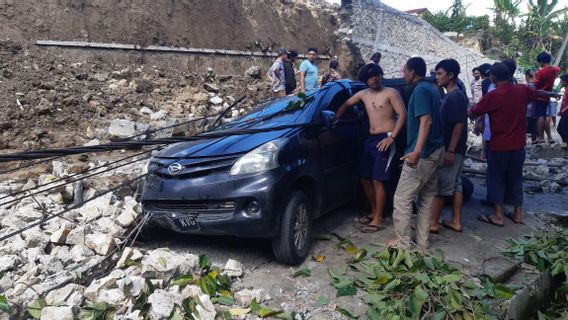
(423, 155)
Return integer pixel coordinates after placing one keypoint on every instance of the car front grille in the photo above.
(191, 167)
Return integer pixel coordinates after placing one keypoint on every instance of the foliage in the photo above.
(300, 103)
(512, 34)
(400, 284)
(4, 306)
(34, 309)
(546, 251)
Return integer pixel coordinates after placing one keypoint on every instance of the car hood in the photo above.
(231, 144)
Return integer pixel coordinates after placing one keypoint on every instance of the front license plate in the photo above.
(186, 223)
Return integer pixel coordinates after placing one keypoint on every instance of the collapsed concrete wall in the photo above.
(375, 27)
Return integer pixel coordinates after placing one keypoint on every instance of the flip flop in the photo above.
(446, 225)
(511, 216)
(372, 229)
(364, 220)
(487, 219)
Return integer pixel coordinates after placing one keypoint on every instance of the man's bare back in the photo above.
(382, 107)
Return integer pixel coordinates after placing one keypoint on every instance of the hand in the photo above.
(411, 159)
(384, 144)
(449, 159)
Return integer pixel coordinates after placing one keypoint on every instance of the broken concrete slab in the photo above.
(68, 295)
(58, 313)
(100, 243)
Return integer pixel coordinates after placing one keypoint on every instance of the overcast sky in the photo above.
(476, 7)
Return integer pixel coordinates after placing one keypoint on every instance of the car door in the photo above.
(340, 148)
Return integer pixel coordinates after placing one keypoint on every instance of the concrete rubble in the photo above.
(48, 262)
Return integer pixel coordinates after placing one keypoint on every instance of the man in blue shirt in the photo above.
(423, 155)
(309, 72)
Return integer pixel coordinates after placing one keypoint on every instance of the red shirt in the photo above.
(545, 80)
(507, 108)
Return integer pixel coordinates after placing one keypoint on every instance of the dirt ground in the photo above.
(472, 251)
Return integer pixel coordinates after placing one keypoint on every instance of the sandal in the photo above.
(487, 219)
(446, 225)
(511, 216)
(364, 219)
(372, 229)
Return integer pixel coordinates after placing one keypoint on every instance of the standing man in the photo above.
(276, 74)
(386, 118)
(476, 86)
(507, 105)
(332, 74)
(531, 119)
(290, 72)
(309, 72)
(453, 120)
(424, 154)
(563, 123)
(375, 59)
(545, 77)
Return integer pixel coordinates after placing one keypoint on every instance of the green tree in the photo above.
(542, 21)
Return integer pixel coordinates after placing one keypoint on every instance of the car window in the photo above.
(340, 97)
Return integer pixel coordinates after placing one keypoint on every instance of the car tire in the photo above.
(292, 244)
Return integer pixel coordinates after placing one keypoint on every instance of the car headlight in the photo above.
(260, 159)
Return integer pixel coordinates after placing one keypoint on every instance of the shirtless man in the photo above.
(387, 116)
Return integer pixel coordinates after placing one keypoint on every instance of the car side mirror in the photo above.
(328, 118)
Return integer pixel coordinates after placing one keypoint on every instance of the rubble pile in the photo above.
(546, 167)
(70, 103)
(57, 269)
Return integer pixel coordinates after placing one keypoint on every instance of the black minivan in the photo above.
(267, 174)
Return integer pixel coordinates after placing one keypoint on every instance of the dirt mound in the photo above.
(47, 101)
(238, 25)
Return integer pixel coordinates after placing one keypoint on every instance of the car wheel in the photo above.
(292, 243)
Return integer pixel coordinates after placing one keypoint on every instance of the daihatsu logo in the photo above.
(175, 168)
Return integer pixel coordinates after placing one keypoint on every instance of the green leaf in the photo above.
(399, 258)
(349, 290)
(323, 300)
(383, 277)
(228, 301)
(34, 308)
(208, 285)
(204, 262)
(176, 316)
(224, 282)
(255, 306)
(267, 312)
(183, 280)
(392, 284)
(501, 291)
(417, 299)
(374, 299)
(456, 299)
(439, 315)
(347, 313)
(131, 263)
(305, 272)
(4, 306)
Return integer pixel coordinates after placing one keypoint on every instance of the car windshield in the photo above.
(272, 113)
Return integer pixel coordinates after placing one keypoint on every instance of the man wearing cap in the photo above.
(276, 74)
